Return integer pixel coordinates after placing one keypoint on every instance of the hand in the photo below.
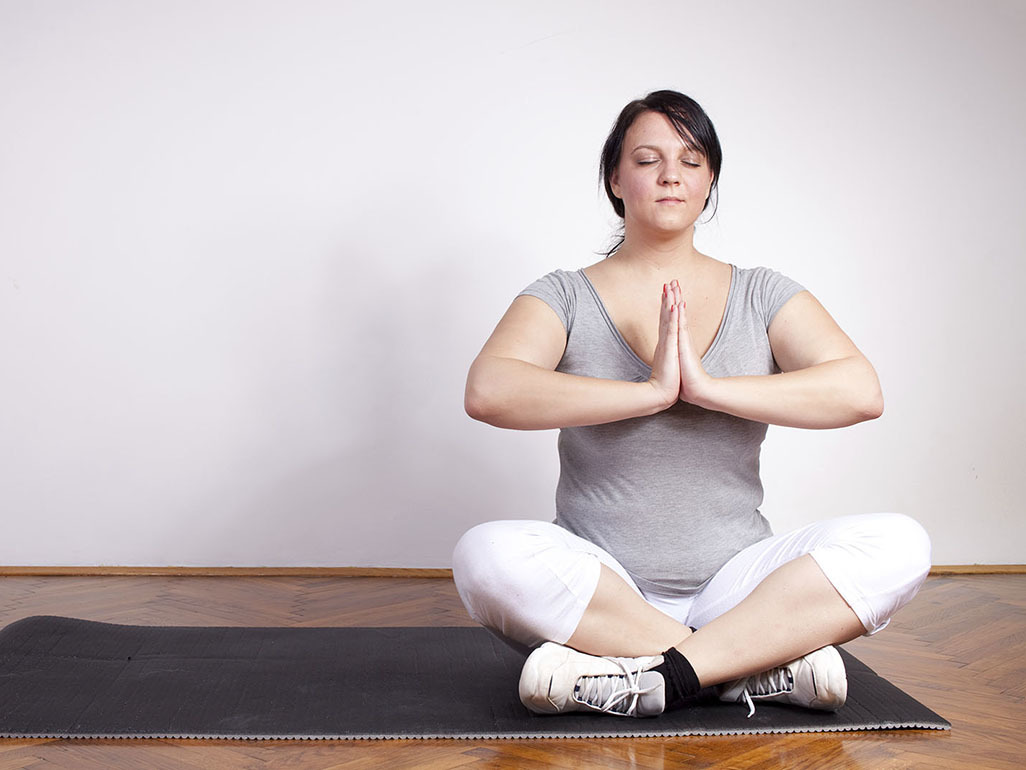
(694, 381)
(666, 377)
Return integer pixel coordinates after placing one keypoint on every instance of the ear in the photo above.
(614, 183)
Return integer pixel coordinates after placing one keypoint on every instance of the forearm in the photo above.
(510, 393)
(828, 395)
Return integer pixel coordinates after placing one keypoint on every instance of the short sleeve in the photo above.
(555, 290)
(772, 291)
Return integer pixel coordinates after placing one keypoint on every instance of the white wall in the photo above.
(249, 249)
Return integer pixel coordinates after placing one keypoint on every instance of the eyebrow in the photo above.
(656, 149)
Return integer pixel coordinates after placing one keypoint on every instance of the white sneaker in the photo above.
(556, 679)
(816, 681)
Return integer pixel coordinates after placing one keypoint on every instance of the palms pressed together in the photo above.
(677, 372)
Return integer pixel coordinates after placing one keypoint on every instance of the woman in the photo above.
(662, 368)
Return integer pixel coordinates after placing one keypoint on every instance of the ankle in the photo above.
(682, 682)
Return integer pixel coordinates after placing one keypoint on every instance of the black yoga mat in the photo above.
(63, 677)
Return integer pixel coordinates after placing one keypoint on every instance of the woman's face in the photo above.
(663, 184)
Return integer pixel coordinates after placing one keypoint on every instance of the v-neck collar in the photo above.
(631, 353)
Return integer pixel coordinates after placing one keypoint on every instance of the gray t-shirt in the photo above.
(674, 495)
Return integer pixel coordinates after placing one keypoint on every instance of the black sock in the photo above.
(681, 680)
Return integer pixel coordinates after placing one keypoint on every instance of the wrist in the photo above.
(701, 391)
(657, 399)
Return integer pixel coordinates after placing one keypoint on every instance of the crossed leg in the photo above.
(775, 601)
(792, 612)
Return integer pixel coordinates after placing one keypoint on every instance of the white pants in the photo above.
(531, 581)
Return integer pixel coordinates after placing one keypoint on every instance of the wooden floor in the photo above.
(960, 648)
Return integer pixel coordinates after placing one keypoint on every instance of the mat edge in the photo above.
(473, 737)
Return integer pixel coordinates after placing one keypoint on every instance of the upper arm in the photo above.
(803, 334)
(529, 331)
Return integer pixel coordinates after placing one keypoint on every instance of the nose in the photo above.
(670, 175)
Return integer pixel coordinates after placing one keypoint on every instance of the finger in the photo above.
(668, 347)
(664, 309)
(668, 330)
(670, 305)
(665, 321)
(665, 363)
(687, 352)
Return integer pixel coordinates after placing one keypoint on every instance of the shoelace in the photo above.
(776, 681)
(608, 693)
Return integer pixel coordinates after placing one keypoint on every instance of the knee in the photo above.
(484, 568)
(523, 580)
(891, 553)
(877, 562)
(908, 544)
(473, 555)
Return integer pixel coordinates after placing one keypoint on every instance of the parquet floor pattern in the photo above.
(960, 648)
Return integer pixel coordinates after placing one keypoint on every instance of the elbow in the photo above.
(870, 404)
(873, 407)
(868, 401)
(476, 405)
(480, 400)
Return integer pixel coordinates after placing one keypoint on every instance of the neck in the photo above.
(657, 254)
